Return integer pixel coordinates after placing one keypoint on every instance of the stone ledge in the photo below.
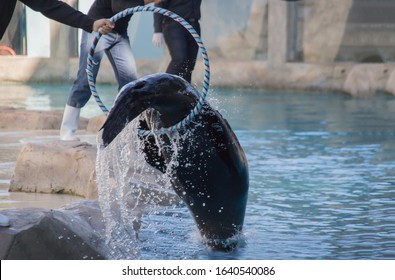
(14, 119)
(350, 78)
(258, 74)
(95, 123)
(56, 167)
(68, 167)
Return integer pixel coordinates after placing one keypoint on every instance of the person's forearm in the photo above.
(61, 12)
(158, 18)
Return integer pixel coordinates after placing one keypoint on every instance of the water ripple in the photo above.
(324, 200)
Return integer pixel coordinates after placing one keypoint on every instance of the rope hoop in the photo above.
(196, 110)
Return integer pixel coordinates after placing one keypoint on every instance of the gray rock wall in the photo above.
(264, 37)
(314, 31)
(231, 30)
(369, 33)
(321, 28)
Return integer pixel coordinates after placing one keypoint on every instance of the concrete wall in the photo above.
(322, 25)
(369, 33)
(313, 31)
(318, 36)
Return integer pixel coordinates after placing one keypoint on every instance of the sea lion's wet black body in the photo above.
(212, 172)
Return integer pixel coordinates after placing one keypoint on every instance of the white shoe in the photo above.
(4, 221)
(69, 125)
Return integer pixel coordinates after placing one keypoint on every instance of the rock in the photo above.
(33, 120)
(253, 37)
(68, 167)
(367, 79)
(96, 123)
(323, 20)
(74, 232)
(390, 86)
(61, 167)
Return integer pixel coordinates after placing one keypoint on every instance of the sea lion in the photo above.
(211, 175)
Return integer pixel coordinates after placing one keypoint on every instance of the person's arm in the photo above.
(157, 37)
(158, 18)
(64, 13)
(6, 11)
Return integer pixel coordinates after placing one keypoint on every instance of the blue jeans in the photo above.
(119, 52)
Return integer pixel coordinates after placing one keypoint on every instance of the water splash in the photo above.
(128, 187)
(129, 184)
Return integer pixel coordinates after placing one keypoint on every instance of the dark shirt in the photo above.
(187, 9)
(108, 8)
(53, 9)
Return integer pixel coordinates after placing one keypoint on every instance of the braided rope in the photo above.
(196, 110)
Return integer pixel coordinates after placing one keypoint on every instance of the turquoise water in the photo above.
(322, 176)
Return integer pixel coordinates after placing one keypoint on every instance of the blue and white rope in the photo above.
(196, 110)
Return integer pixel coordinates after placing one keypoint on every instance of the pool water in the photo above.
(322, 176)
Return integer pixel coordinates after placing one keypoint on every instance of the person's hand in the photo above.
(104, 26)
(157, 39)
